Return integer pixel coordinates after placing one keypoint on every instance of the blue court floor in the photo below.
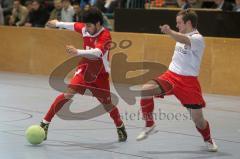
(25, 98)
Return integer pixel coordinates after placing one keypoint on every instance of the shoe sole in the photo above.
(213, 150)
(146, 136)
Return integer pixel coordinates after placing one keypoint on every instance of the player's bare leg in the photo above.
(149, 89)
(203, 128)
(55, 107)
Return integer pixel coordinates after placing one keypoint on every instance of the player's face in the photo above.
(91, 28)
(182, 27)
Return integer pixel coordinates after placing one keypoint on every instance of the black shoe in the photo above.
(45, 128)
(122, 134)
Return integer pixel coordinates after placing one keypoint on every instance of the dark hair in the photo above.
(28, 2)
(187, 15)
(93, 15)
(76, 3)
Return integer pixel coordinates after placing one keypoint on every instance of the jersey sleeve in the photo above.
(197, 41)
(78, 27)
(104, 42)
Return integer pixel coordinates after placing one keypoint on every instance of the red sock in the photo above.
(114, 113)
(147, 110)
(205, 132)
(55, 107)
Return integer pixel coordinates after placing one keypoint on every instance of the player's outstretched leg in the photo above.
(203, 128)
(114, 114)
(55, 107)
(147, 107)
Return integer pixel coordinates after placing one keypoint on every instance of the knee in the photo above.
(199, 122)
(148, 90)
(68, 95)
(148, 86)
(108, 107)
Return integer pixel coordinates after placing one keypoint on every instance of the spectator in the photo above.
(196, 3)
(111, 5)
(7, 6)
(48, 5)
(23, 2)
(56, 12)
(154, 3)
(82, 3)
(67, 11)
(223, 5)
(93, 2)
(106, 23)
(100, 5)
(108, 3)
(86, 7)
(1, 14)
(28, 5)
(135, 3)
(237, 6)
(78, 16)
(38, 16)
(183, 4)
(19, 14)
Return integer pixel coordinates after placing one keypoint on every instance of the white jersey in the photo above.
(187, 59)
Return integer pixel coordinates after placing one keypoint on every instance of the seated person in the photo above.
(38, 16)
(19, 14)
(56, 12)
(223, 5)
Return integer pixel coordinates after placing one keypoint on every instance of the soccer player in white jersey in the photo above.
(181, 78)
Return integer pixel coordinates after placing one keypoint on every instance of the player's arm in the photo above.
(100, 48)
(179, 37)
(57, 24)
(90, 54)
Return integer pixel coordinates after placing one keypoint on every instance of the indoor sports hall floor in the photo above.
(25, 98)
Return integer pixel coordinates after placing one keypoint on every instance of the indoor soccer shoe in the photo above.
(45, 128)
(122, 134)
(211, 146)
(146, 132)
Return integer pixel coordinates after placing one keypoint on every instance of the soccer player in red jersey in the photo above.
(181, 78)
(93, 70)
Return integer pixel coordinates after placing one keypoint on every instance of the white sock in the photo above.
(45, 121)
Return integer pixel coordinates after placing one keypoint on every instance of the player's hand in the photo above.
(52, 23)
(71, 50)
(165, 29)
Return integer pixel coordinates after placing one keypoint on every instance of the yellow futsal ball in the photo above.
(35, 134)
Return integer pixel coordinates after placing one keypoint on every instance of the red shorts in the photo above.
(186, 88)
(100, 88)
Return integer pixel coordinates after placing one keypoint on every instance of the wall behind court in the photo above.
(40, 51)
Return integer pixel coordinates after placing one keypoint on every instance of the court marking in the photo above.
(135, 127)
